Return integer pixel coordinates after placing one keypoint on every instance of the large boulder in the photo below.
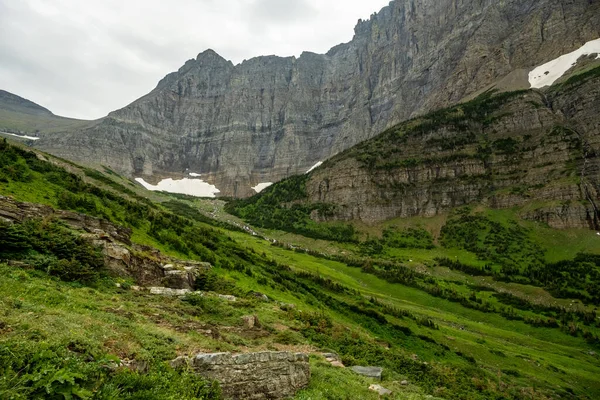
(371, 372)
(265, 375)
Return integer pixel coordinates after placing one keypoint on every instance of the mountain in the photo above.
(105, 293)
(14, 103)
(535, 151)
(271, 117)
(22, 116)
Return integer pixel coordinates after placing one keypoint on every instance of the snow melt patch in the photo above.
(317, 165)
(194, 175)
(192, 187)
(547, 74)
(21, 136)
(261, 186)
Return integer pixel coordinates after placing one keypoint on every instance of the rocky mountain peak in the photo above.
(210, 57)
(271, 117)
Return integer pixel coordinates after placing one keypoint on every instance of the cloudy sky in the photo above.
(84, 59)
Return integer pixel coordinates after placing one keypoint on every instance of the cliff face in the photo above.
(271, 117)
(530, 149)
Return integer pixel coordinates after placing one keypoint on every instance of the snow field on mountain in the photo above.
(547, 74)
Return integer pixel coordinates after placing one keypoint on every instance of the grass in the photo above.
(469, 353)
(342, 384)
(466, 327)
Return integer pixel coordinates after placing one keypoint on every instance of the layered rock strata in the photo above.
(272, 117)
(538, 151)
(146, 265)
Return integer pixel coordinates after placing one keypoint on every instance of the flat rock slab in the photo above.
(371, 372)
(252, 376)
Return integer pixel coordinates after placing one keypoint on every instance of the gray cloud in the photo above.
(282, 12)
(85, 59)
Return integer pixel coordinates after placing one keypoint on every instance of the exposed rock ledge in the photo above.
(146, 265)
(265, 375)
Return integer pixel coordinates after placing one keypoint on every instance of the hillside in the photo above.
(71, 315)
(534, 151)
(11, 102)
(26, 118)
(271, 117)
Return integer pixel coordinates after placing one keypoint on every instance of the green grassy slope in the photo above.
(469, 353)
(472, 304)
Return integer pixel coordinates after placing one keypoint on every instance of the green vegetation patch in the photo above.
(282, 207)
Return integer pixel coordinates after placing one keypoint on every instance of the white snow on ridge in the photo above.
(547, 74)
(317, 165)
(192, 187)
(261, 186)
(21, 136)
(194, 175)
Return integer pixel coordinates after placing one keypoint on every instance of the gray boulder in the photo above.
(380, 390)
(371, 372)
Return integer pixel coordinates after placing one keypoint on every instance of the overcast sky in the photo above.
(85, 58)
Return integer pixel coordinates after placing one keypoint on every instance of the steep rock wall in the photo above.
(271, 117)
(534, 150)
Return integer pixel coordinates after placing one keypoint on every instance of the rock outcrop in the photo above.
(371, 372)
(271, 117)
(146, 265)
(538, 151)
(380, 390)
(266, 375)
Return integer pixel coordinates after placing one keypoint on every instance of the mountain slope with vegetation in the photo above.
(271, 117)
(536, 151)
(66, 325)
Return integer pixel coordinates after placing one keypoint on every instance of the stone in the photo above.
(264, 375)
(180, 362)
(380, 390)
(169, 292)
(251, 321)
(287, 307)
(371, 372)
(123, 259)
(333, 359)
(404, 383)
(136, 365)
(260, 296)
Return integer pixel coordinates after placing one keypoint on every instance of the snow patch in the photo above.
(21, 136)
(547, 74)
(261, 186)
(192, 187)
(317, 165)
(194, 175)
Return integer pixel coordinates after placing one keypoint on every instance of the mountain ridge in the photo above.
(271, 117)
(13, 102)
(534, 151)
